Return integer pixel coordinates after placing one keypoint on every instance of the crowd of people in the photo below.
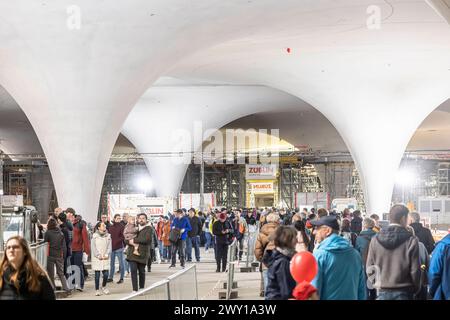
(356, 258)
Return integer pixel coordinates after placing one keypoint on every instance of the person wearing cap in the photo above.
(223, 231)
(181, 222)
(340, 273)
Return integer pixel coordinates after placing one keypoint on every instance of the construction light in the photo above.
(405, 177)
(144, 183)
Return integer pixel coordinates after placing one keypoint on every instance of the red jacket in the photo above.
(159, 230)
(80, 240)
(117, 237)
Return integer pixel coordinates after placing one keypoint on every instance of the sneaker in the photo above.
(109, 280)
(120, 281)
(172, 266)
(97, 293)
(80, 289)
(127, 275)
(134, 292)
(182, 267)
(105, 291)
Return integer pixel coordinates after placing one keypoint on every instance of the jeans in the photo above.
(266, 279)
(59, 263)
(160, 247)
(135, 268)
(241, 249)
(208, 237)
(193, 242)
(119, 254)
(97, 279)
(77, 260)
(395, 295)
(66, 265)
(179, 246)
(167, 252)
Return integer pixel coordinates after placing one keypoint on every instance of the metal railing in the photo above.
(232, 261)
(179, 286)
(39, 253)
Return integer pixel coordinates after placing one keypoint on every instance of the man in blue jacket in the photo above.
(439, 272)
(340, 275)
(181, 222)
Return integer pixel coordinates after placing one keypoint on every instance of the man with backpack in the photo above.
(362, 246)
(179, 230)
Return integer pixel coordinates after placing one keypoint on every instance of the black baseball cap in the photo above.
(329, 221)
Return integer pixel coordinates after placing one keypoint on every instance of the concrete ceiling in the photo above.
(304, 127)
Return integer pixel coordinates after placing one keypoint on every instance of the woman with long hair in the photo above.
(21, 277)
(101, 248)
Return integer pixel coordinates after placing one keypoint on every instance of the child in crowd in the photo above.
(280, 282)
(130, 232)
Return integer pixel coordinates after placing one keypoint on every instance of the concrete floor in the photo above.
(209, 282)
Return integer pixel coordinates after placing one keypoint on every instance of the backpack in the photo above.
(175, 235)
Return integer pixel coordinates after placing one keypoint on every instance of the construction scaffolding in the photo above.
(444, 178)
(227, 182)
(290, 184)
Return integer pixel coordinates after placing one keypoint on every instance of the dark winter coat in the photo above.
(67, 229)
(250, 220)
(424, 236)
(362, 243)
(221, 238)
(280, 283)
(356, 225)
(9, 292)
(56, 243)
(196, 227)
(144, 238)
(117, 237)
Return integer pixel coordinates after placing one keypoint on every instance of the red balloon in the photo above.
(303, 267)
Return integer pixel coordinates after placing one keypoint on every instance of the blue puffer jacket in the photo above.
(341, 275)
(182, 223)
(439, 272)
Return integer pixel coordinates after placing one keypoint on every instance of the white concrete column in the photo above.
(164, 113)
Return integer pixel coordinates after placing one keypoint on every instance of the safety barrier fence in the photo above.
(179, 286)
(232, 261)
(39, 253)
